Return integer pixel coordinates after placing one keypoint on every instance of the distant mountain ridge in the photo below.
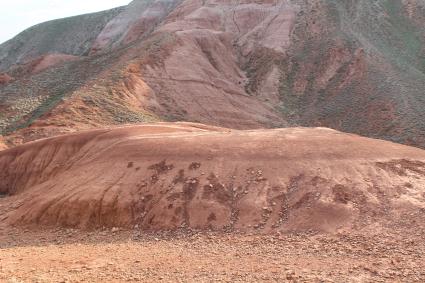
(356, 66)
(71, 36)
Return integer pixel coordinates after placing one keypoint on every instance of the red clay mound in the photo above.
(167, 176)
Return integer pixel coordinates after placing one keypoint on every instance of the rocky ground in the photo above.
(133, 256)
(283, 205)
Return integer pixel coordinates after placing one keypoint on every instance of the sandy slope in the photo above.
(168, 176)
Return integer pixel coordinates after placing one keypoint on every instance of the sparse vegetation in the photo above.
(382, 30)
(346, 59)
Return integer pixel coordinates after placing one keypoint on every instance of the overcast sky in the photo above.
(17, 15)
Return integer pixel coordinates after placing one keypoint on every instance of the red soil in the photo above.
(2, 144)
(5, 78)
(44, 62)
(168, 176)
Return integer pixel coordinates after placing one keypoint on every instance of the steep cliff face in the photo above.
(357, 66)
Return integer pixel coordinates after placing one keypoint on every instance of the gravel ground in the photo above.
(132, 256)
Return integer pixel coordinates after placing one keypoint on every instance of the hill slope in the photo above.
(169, 176)
(356, 66)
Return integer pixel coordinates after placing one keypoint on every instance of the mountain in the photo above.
(357, 66)
(169, 132)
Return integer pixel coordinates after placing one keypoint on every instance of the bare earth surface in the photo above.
(184, 202)
(131, 256)
(183, 175)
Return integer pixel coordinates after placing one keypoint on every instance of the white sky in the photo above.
(17, 15)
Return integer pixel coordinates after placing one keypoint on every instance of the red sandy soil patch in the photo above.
(158, 177)
(44, 62)
(5, 78)
(50, 60)
(2, 144)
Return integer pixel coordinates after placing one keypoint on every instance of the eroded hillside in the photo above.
(356, 66)
(169, 176)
